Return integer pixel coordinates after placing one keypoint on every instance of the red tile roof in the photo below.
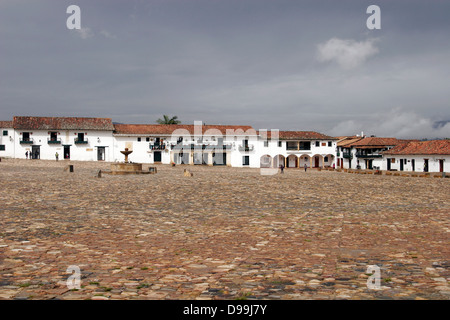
(298, 135)
(438, 147)
(6, 124)
(348, 141)
(62, 123)
(168, 129)
(375, 142)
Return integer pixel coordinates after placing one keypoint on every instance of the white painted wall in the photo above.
(433, 162)
(78, 152)
(8, 141)
(274, 149)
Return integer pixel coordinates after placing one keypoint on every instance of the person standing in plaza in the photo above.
(57, 156)
(306, 167)
(26, 154)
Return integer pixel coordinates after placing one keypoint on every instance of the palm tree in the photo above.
(168, 120)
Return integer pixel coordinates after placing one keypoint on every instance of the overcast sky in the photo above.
(272, 64)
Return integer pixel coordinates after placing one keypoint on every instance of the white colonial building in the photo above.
(419, 156)
(295, 149)
(83, 139)
(187, 144)
(6, 139)
(99, 139)
(364, 152)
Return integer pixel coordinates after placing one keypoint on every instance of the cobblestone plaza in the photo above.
(224, 233)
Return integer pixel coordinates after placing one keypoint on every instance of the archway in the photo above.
(328, 160)
(277, 161)
(265, 161)
(292, 161)
(304, 159)
(317, 161)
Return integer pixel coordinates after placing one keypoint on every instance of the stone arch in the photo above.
(265, 161)
(317, 161)
(278, 160)
(304, 159)
(292, 161)
(328, 160)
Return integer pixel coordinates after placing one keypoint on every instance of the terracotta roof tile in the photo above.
(347, 142)
(298, 135)
(168, 129)
(62, 123)
(441, 147)
(375, 142)
(6, 124)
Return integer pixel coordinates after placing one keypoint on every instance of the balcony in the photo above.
(347, 155)
(249, 147)
(26, 141)
(53, 141)
(368, 155)
(79, 141)
(192, 146)
(157, 147)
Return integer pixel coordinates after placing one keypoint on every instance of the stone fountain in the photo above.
(127, 167)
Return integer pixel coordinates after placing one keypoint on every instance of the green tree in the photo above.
(168, 120)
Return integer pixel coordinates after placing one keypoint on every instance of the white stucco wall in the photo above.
(78, 152)
(433, 162)
(8, 141)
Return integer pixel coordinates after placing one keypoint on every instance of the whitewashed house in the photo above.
(365, 153)
(84, 139)
(295, 149)
(344, 151)
(6, 139)
(419, 156)
(187, 144)
(99, 139)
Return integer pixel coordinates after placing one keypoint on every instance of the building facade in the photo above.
(99, 139)
(82, 139)
(419, 156)
(6, 139)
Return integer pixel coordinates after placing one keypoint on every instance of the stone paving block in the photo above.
(227, 233)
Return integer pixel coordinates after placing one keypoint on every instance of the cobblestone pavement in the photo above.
(224, 233)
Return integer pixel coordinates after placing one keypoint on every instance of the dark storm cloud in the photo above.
(301, 65)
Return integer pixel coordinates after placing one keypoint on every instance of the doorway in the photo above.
(316, 162)
(425, 165)
(66, 152)
(35, 152)
(413, 164)
(157, 156)
(101, 153)
(219, 159)
(441, 165)
(401, 164)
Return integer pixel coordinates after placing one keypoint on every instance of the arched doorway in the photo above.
(317, 161)
(292, 161)
(304, 159)
(265, 161)
(328, 160)
(277, 161)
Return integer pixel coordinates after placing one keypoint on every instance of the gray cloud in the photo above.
(348, 54)
(236, 62)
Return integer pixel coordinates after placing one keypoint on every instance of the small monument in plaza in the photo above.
(127, 167)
